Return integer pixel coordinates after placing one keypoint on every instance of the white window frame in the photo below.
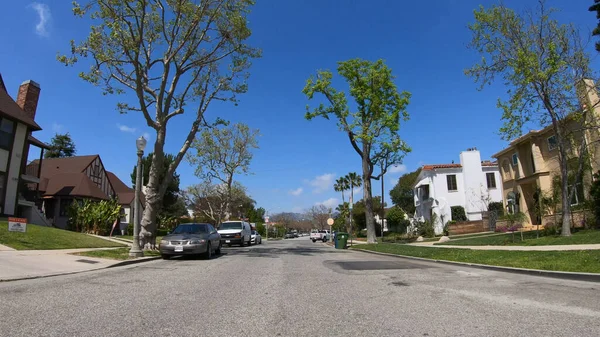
(455, 181)
(494, 179)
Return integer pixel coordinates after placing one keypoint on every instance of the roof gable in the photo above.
(9, 107)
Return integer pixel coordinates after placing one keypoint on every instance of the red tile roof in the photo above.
(440, 166)
(489, 163)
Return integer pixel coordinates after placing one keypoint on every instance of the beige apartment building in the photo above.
(532, 160)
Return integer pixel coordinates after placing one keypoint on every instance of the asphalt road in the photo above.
(298, 288)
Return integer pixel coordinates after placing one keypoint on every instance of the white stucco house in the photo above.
(472, 184)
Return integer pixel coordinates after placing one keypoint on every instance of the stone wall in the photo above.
(578, 218)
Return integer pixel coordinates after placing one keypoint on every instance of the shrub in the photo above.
(458, 213)
(396, 221)
(497, 207)
(551, 229)
(130, 229)
(427, 228)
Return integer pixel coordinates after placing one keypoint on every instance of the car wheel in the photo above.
(218, 250)
(208, 253)
(314, 241)
(165, 257)
(242, 243)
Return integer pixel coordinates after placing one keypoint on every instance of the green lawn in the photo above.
(571, 261)
(589, 236)
(130, 238)
(115, 254)
(39, 237)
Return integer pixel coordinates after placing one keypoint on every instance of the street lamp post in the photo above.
(135, 247)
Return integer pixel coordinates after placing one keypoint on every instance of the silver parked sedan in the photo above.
(191, 239)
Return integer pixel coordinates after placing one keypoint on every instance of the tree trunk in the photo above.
(153, 195)
(565, 195)
(368, 199)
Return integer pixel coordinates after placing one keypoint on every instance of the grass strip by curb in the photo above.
(584, 261)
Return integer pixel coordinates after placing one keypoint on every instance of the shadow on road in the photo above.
(274, 252)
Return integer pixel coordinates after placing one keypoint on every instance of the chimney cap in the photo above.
(32, 82)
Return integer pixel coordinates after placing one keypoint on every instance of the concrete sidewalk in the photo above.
(24, 264)
(521, 248)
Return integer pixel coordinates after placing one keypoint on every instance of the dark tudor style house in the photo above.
(17, 123)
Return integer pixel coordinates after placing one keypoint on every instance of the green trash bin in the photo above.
(341, 239)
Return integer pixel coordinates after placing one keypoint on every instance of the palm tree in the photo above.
(354, 180)
(341, 185)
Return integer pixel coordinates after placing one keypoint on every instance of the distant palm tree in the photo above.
(355, 180)
(342, 184)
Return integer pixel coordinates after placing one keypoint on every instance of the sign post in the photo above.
(266, 228)
(330, 222)
(17, 225)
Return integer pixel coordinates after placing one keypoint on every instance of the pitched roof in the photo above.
(118, 184)
(53, 166)
(440, 166)
(66, 177)
(125, 194)
(9, 107)
(76, 184)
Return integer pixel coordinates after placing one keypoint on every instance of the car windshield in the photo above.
(231, 225)
(254, 233)
(191, 229)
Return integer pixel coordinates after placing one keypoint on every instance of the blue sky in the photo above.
(424, 42)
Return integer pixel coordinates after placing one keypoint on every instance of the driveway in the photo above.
(298, 288)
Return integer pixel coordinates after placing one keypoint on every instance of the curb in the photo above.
(118, 264)
(588, 277)
(134, 261)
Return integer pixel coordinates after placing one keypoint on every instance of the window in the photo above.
(552, 144)
(424, 192)
(491, 180)
(578, 196)
(515, 159)
(64, 206)
(451, 180)
(7, 128)
(532, 163)
(191, 229)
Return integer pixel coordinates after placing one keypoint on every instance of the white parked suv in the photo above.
(235, 232)
(321, 235)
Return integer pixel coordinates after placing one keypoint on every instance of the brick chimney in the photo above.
(27, 99)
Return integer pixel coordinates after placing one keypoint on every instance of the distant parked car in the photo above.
(289, 235)
(191, 239)
(255, 238)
